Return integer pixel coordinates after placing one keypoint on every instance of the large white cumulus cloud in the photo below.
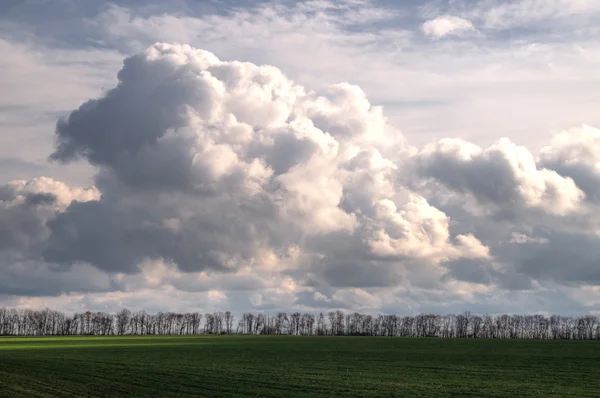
(210, 163)
(228, 174)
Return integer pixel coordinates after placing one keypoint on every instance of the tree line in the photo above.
(27, 322)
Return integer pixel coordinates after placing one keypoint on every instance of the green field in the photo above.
(284, 366)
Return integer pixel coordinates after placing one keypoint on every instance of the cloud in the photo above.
(229, 182)
(576, 154)
(224, 166)
(521, 239)
(554, 260)
(29, 278)
(504, 15)
(26, 206)
(504, 175)
(446, 25)
(199, 141)
(418, 230)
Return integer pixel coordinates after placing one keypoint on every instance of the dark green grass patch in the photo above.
(285, 366)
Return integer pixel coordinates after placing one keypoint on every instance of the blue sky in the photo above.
(485, 102)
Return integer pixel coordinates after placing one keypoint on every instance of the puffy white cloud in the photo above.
(446, 25)
(26, 206)
(236, 156)
(504, 175)
(62, 194)
(576, 154)
(418, 230)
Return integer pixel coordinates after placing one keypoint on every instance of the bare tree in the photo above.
(122, 320)
(47, 322)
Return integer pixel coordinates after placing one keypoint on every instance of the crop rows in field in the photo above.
(283, 366)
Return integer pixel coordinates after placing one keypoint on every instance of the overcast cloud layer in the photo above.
(200, 177)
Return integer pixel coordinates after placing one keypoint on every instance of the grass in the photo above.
(282, 366)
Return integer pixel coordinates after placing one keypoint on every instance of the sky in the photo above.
(371, 156)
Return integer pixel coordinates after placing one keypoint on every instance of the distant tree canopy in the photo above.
(46, 322)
